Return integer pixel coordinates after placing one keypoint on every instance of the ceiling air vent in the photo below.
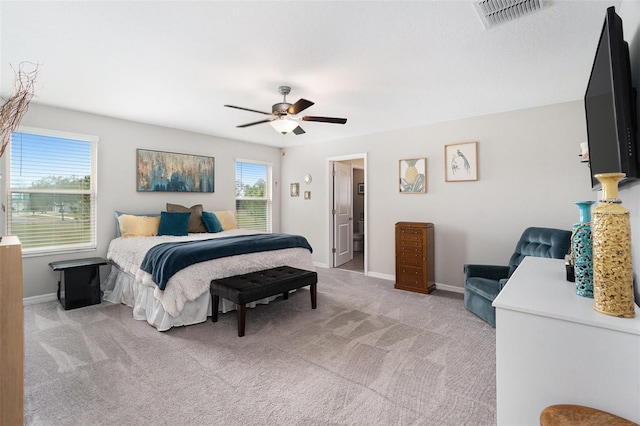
(495, 12)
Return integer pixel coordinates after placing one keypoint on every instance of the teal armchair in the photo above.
(482, 283)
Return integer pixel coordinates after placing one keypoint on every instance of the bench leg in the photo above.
(285, 295)
(314, 299)
(242, 317)
(214, 307)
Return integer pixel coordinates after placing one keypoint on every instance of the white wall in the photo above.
(119, 140)
(529, 175)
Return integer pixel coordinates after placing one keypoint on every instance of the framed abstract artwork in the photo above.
(413, 176)
(461, 162)
(172, 172)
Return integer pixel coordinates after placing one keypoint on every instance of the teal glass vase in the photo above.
(581, 245)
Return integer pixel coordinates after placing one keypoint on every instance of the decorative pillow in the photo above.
(117, 215)
(174, 224)
(195, 221)
(138, 226)
(211, 222)
(227, 219)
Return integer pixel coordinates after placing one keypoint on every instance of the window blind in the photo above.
(52, 192)
(253, 196)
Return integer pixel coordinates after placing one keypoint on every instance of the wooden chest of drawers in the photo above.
(414, 257)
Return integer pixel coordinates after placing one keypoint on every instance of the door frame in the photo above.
(329, 205)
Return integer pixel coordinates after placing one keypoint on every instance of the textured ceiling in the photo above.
(383, 65)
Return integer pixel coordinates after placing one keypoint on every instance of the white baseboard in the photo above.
(43, 298)
(382, 276)
(451, 288)
(445, 287)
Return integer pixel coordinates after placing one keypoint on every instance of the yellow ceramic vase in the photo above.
(612, 267)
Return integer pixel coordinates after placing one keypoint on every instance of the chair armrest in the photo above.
(502, 283)
(493, 272)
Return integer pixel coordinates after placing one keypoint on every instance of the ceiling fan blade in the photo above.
(248, 109)
(254, 123)
(325, 119)
(299, 106)
(298, 130)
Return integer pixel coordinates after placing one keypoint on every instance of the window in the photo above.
(52, 191)
(253, 195)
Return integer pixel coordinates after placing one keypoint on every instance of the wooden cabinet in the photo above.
(11, 333)
(414, 257)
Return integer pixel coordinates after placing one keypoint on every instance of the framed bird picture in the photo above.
(461, 162)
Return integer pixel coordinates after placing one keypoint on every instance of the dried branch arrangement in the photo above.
(17, 104)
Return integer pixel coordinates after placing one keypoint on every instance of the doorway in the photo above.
(347, 206)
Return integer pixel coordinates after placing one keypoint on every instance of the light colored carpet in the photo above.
(369, 355)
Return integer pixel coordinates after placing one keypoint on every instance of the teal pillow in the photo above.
(211, 222)
(174, 223)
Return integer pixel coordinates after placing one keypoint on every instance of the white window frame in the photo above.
(268, 188)
(92, 192)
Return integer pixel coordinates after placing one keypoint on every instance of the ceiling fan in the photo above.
(284, 115)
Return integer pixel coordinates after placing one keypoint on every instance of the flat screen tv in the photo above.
(610, 106)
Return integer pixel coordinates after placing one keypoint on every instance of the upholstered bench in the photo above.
(247, 288)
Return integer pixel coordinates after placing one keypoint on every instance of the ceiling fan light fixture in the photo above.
(284, 125)
(284, 115)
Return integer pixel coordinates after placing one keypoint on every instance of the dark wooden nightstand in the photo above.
(79, 283)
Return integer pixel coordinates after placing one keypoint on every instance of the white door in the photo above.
(342, 214)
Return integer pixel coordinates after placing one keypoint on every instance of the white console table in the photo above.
(552, 347)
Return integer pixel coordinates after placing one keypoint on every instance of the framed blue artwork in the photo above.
(172, 172)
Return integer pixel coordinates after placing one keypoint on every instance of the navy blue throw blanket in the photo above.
(164, 260)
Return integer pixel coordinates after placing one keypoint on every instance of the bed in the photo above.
(185, 299)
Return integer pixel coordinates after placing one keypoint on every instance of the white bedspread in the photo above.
(193, 281)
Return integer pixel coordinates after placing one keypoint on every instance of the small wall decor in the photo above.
(295, 189)
(413, 176)
(172, 172)
(307, 195)
(584, 152)
(461, 162)
(361, 188)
